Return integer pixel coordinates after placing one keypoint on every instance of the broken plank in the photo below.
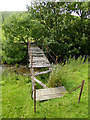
(44, 72)
(49, 93)
(42, 84)
(39, 66)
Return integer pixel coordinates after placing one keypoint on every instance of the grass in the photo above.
(16, 94)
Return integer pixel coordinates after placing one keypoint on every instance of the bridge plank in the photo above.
(39, 59)
(49, 93)
(44, 72)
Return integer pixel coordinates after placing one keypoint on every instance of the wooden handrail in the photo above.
(51, 51)
(53, 54)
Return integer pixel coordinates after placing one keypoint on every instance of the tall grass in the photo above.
(71, 74)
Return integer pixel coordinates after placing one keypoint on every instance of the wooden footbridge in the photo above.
(37, 59)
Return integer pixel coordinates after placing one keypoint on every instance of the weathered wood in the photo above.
(39, 66)
(42, 84)
(36, 52)
(49, 93)
(38, 73)
(44, 72)
(32, 74)
(34, 98)
(32, 79)
(43, 63)
(38, 55)
(39, 59)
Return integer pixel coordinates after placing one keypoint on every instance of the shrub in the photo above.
(13, 52)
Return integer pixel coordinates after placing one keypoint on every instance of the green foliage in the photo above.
(51, 23)
(17, 30)
(17, 102)
(66, 35)
(13, 52)
(16, 65)
(70, 75)
(21, 27)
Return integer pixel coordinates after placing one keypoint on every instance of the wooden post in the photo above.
(56, 59)
(47, 51)
(32, 79)
(32, 76)
(34, 98)
(81, 91)
(32, 73)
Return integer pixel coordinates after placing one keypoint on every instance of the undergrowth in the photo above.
(16, 93)
(69, 75)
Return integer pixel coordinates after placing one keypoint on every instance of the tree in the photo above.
(66, 34)
(18, 29)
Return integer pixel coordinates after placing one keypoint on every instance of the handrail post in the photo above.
(47, 51)
(33, 83)
(34, 98)
(56, 59)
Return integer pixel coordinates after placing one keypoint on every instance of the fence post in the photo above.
(34, 98)
(81, 91)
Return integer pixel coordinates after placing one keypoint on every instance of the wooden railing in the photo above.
(33, 94)
(56, 57)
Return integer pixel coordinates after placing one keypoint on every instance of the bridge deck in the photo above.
(39, 58)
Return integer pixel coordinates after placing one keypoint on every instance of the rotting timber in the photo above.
(37, 59)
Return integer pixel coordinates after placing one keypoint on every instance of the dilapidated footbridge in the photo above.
(37, 59)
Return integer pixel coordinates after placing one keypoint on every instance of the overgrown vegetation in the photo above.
(71, 74)
(49, 23)
(16, 94)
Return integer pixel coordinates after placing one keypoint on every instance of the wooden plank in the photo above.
(36, 52)
(44, 72)
(49, 93)
(40, 63)
(39, 59)
(42, 84)
(48, 97)
(38, 55)
(39, 66)
(38, 73)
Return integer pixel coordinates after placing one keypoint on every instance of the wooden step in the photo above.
(40, 66)
(36, 52)
(49, 93)
(39, 59)
(40, 62)
(38, 55)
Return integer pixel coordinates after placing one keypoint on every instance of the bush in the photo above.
(13, 52)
